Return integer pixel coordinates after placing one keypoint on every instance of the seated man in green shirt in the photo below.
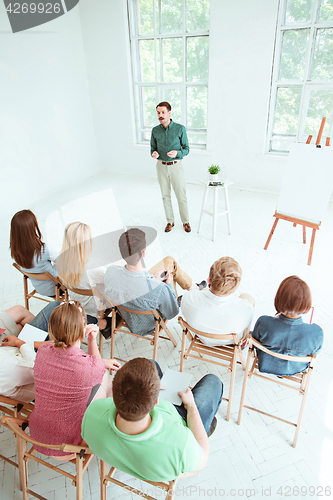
(169, 145)
(150, 438)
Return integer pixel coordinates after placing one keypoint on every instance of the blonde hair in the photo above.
(75, 253)
(225, 275)
(67, 323)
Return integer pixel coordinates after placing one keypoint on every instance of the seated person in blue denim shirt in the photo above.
(135, 288)
(286, 333)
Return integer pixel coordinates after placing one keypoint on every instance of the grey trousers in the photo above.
(173, 175)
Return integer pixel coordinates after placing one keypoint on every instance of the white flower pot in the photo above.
(213, 177)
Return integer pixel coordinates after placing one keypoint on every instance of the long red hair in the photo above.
(25, 238)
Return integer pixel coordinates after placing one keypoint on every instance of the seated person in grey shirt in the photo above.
(133, 287)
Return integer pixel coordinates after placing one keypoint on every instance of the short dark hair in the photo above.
(165, 104)
(293, 296)
(131, 245)
(135, 389)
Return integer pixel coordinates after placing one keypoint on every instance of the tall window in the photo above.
(170, 51)
(302, 87)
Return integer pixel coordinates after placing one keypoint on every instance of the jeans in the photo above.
(41, 321)
(207, 395)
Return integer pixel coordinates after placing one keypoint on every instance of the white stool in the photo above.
(214, 214)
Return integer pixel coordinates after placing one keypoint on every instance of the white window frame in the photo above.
(161, 86)
(306, 85)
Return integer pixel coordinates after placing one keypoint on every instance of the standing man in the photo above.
(169, 144)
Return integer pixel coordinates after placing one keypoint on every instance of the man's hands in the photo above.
(172, 154)
(111, 364)
(12, 341)
(155, 155)
(187, 398)
(164, 276)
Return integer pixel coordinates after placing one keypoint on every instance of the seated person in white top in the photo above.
(17, 358)
(219, 309)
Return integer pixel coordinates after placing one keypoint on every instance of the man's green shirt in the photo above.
(172, 138)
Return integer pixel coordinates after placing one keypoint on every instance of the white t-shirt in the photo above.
(16, 367)
(209, 313)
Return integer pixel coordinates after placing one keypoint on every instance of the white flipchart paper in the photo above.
(307, 183)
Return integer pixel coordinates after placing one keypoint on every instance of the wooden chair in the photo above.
(81, 462)
(299, 382)
(14, 408)
(168, 486)
(59, 286)
(226, 354)
(103, 312)
(160, 326)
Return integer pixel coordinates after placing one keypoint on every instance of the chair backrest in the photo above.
(59, 286)
(228, 336)
(287, 357)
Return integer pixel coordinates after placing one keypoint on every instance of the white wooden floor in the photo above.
(254, 459)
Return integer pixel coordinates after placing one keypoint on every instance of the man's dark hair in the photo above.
(165, 104)
(131, 245)
(135, 389)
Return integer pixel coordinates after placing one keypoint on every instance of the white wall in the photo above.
(47, 137)
(242, 44)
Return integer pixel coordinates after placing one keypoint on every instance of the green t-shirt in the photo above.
(161, 453)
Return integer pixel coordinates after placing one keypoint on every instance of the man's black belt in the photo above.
(168, 162)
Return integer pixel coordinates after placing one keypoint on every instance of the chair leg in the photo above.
(156, 335)
(79, 478)
(103, 484)
(25, 286)
(232, 381)
(171, 490)
(302, 407)
(241, 357)
(182, 353)
(249, 356)
(23, 466)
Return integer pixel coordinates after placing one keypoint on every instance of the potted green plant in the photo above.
(213, 172)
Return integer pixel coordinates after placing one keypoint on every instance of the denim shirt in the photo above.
(286, 336)
(140, 291)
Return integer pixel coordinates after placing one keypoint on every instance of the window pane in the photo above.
(146, 17)
(197, 59)
(197, 107)
(293, 54)
(172, 95)
(280, 145)
(147, 58)
(195, 138)
(320, 106)
(323, 55)
(197, 15)
(326, 10)
(149, 106)
(298, 11)
(287, 111)
(172, 16)
(172, 60)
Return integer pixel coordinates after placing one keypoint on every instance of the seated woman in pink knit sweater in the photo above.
(67, 379)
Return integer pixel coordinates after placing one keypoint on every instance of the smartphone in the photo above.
(163, 275)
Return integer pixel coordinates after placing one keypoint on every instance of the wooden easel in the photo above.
(301, 222)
